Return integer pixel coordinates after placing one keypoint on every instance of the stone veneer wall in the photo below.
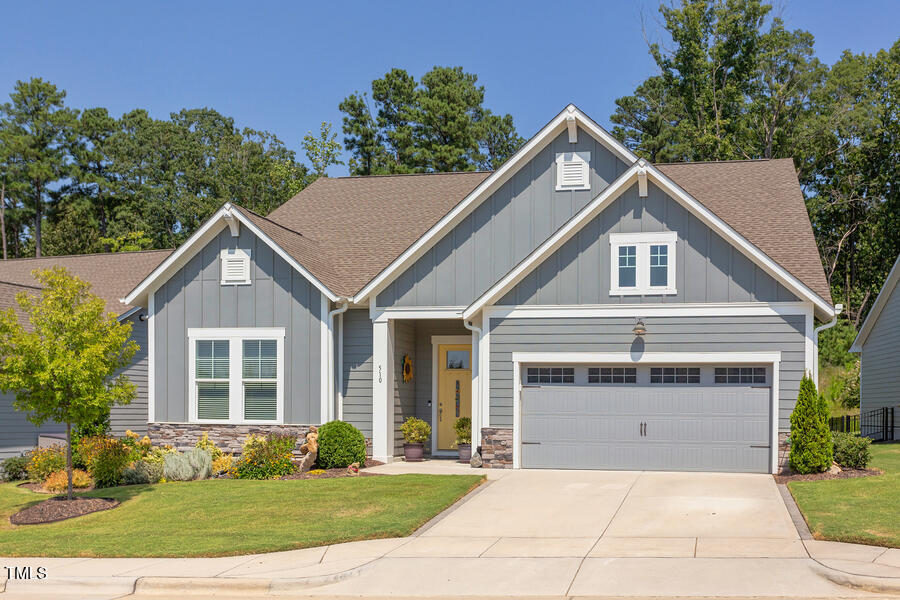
(497, 447)
(229, 438)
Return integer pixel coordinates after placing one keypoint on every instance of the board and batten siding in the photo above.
(133, 416)
(879, 362)
(664, 334)
(707, 267)
(502, 230)
(278, 296)
(356, 379)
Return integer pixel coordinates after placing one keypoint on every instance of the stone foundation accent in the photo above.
(784, 451)
(229, 438)
(497, 447)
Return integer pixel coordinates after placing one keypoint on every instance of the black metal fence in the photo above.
(877, 424)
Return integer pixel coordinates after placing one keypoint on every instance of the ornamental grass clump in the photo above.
(143, 471)
(811, 444)
(194, 464)
(265, 457)
(43, 461)
(340, 445)
(58, 481)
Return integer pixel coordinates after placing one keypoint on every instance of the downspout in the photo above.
(476, 432)
(838, 308)
(344, 305)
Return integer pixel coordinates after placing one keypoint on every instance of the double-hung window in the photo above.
(642, 263)
(236, 375)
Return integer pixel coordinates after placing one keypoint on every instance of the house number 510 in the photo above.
(379, 373)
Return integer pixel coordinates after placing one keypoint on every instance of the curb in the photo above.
(50, 587)
(870, 583)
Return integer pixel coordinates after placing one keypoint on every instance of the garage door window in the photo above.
(740, 375)
(675, 375)
(550, 375)
(612, 375)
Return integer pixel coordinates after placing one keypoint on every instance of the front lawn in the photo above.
(225, 516)
(864, 510)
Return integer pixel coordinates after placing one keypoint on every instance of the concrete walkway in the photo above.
(551, 534)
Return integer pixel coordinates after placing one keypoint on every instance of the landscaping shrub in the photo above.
(340, 444)
(143, 471)
(96, 428)
(43, 461)
(201, 463)
(222, 464)
(58, 481)
(14, 468)
(208, 445)
(811, 449)
(463, 429)
(265, 457)
(415, 431)
(138, 447)
(851, 451)
(106, 458)
(196, 463)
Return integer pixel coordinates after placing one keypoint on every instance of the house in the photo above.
(586, 308)
(879, 366)
(111, 276)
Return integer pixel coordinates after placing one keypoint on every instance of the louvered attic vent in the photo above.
(235, 267)
(573, 171)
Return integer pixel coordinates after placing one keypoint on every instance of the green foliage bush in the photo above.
(15, 468)
(43, 461)
(463, 428)
(848, 387)
(143, 471)
(107, 458)
(177, 468)
(208, 445)
(340, 444)
(265, 457)
(811, 450)
(834, 345)
(851, 451)
(415, 431)
(98, 427)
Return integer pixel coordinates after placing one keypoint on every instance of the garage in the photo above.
(672, 418)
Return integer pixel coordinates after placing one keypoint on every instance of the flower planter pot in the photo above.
(413, 452)
(465, 452)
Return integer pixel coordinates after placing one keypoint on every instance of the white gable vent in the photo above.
(573, 171)
(235, 266)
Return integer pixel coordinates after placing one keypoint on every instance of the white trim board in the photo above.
(880, 302)
(557, 125)
(768, 358)
(437, 340)
(606, 197)
(735, 309)
(151, 353)
(416, 312)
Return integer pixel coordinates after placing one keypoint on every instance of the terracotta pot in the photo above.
(465, 452)
(413, 452)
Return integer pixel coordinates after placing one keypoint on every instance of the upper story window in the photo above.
(642, 263)
(573, 171)
(235, 266)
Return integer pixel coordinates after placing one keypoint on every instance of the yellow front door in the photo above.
(454, 391)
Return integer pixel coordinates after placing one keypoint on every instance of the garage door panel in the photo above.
(701, 428)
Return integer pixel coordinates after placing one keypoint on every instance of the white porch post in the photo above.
(383, 390)
(477, 396)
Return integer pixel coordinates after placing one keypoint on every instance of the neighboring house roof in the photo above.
(8, 293)
(111, 275)
(761, 200)
(362, 224)
(880, 302)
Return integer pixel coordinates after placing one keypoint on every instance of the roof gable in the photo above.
(881, 301)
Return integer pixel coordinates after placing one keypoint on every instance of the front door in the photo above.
(454, 391)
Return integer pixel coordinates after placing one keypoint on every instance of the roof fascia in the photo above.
(880, 302)
(200, 238)
(488, 186)
(613, 191)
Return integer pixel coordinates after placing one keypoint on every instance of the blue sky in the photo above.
(285, 66)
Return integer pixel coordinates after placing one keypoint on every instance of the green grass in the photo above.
(225, 517)
(864, 510)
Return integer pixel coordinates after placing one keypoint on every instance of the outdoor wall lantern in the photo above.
(640, 330)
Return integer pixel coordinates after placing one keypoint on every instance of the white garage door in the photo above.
(644, 426)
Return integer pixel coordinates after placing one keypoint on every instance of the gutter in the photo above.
(838, 308)
(476, 431)
(339, 367)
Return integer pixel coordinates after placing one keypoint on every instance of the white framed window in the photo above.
(550, 375)
(573, 171)
(743, 375)
(236, 375)
(642, 263)
(235, 266)
(675, 375)
(612, 375)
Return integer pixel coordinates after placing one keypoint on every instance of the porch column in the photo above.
(383, 390)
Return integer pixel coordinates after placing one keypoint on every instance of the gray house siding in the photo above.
(277, 297)
(17, 433)
(404, 392)
(879, 365)
(502, 230)
(707, 268)
(665, 334)
(134, 415)
(356, 379)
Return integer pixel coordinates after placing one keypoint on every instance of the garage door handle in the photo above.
(766, 446)
(531, 443)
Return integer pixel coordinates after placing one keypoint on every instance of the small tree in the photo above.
(62, 365)
(811, 450)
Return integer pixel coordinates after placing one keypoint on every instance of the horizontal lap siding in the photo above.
(133, 416)
(665, 334)
(356, 379)
(880, 365)
(17, 433)
(404, 392)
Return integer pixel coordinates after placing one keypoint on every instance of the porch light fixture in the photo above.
(640, 330)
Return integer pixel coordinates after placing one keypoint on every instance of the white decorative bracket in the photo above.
(573, 129)
(642, 179)
(232, 221)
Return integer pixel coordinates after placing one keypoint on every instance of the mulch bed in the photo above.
(36, 487)
(844, 474)
(337, 472)
(59, 508)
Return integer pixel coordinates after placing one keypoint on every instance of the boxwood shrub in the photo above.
(340, 444)
(851, 451)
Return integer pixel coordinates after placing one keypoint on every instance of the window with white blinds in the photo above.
(236, 375)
